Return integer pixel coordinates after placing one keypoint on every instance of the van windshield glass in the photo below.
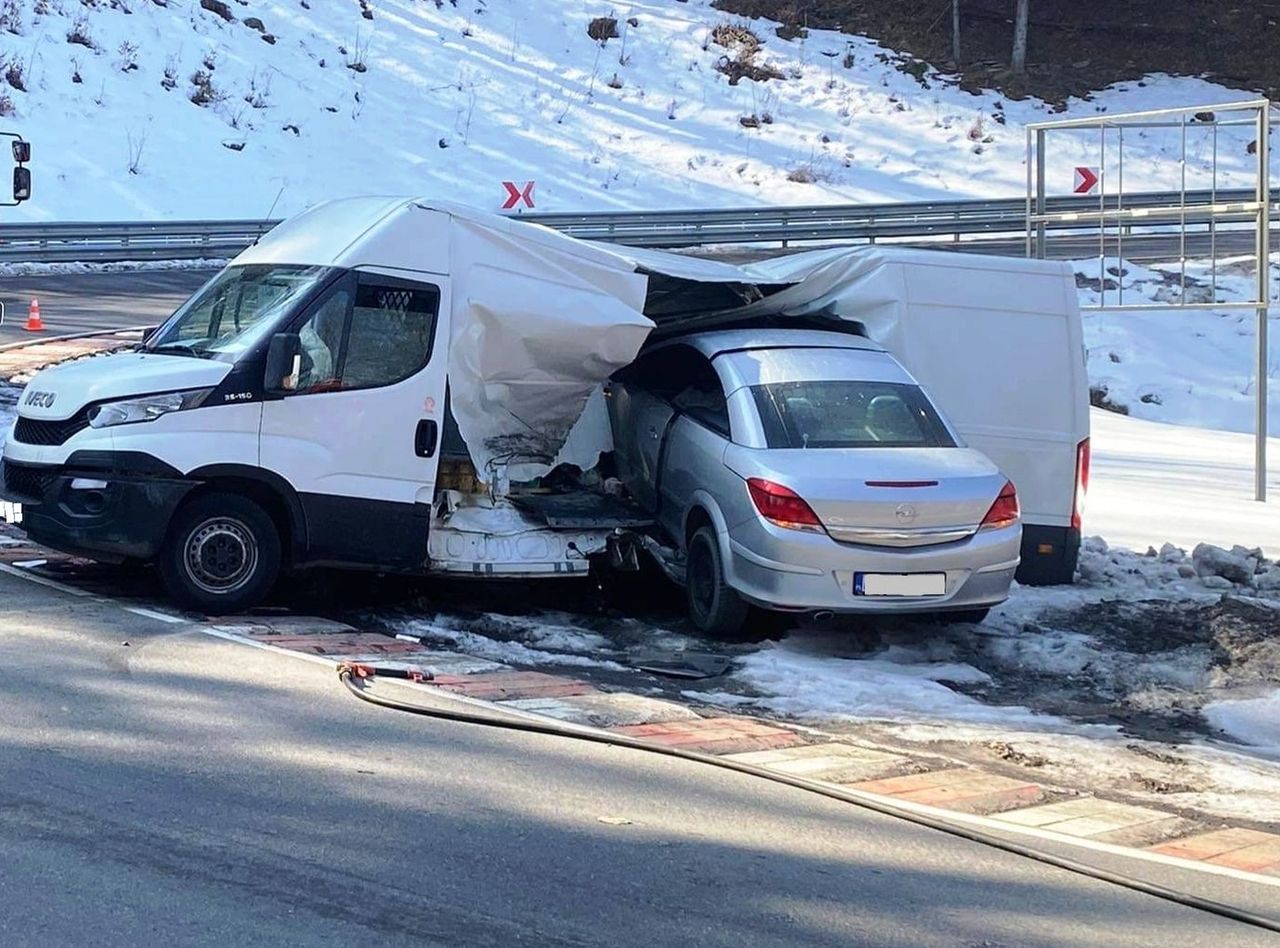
(848, 414)
(235, 309)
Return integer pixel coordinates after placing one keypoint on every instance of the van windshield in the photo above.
(848, 414)
(235, 309)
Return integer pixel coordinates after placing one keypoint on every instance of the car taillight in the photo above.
(1082, 483)
(1004, 512)
(782, 506)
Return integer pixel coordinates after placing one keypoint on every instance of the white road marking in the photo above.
(152, 614)
(29, 564)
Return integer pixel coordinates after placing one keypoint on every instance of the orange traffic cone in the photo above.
(34, 323)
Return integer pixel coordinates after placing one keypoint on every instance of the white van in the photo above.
(362, 387)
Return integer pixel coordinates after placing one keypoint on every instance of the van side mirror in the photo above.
(21, 184)
(284, 363)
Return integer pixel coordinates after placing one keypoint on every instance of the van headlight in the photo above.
(147, 408)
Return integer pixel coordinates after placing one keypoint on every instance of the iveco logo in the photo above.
(39, 399)
(905, 513)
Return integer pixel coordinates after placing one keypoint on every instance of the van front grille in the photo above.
(37, 431)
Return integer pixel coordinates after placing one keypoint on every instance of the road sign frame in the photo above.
(1255, 113)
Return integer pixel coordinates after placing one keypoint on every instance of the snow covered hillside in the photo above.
(168, 108)
(199, 108)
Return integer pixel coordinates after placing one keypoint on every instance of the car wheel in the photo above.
(222, 554)
(714, 608)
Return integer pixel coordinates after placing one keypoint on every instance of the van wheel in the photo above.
(222, 554)
(714, 608)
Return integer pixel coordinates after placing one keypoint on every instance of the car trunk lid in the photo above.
(898, 497)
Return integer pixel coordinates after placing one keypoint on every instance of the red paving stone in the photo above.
(339, 643)
(1208, 845)
(968, 791)
(1244, 849)
(513, 685)
(715, 735)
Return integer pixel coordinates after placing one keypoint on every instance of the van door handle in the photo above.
(424, 439)
(653, 433)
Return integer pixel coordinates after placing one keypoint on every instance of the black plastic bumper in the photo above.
(125, 519)
(1049, 555)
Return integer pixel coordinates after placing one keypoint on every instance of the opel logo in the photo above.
(905, 513)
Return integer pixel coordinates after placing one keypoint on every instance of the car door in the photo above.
(358, 437)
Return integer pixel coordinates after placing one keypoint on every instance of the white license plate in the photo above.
(899, 584)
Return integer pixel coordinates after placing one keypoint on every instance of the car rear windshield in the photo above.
(848, 414)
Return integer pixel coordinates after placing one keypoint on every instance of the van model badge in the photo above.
(39, 399)
(905, 513)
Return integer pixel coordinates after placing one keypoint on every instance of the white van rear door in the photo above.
(359, 438)
(999, 346)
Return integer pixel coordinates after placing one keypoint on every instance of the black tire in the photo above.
(714, 608)
(221, 555)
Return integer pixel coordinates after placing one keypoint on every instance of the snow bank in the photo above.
(1155, 483)
(1253, 721)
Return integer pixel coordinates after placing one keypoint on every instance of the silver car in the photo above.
(806, 471)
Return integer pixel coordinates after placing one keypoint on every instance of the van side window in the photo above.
(321, 343)
(367, 333)
(393, 325)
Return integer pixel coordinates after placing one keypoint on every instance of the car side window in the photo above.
(684, 377)
(702, 398)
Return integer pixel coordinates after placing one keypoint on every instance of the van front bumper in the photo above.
(107, 508)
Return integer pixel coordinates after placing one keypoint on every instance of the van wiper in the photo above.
(180, 349)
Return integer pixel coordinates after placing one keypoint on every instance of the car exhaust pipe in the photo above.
(824, 615)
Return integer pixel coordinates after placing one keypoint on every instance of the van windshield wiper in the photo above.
(180, 349)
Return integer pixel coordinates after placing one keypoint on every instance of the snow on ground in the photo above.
(1155, 483)
(10, 270)
(450, 100)
(1191, 367)
(1252, 721)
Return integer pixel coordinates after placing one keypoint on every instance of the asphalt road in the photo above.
(84, 302)
(161, 787)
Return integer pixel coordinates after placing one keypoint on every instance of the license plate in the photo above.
(899, 584)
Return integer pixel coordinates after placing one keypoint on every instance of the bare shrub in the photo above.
(203, 91)
(744, 44)
(128, 56)
(170, 80)
(78, 35)
(135, 151)
(15, 75)
(11, 16)
(6, 106)
(734, 36)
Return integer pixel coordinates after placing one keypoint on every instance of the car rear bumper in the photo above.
(111, 516)
(793, 571)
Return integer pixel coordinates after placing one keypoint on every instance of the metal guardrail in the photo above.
(1000, 221)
